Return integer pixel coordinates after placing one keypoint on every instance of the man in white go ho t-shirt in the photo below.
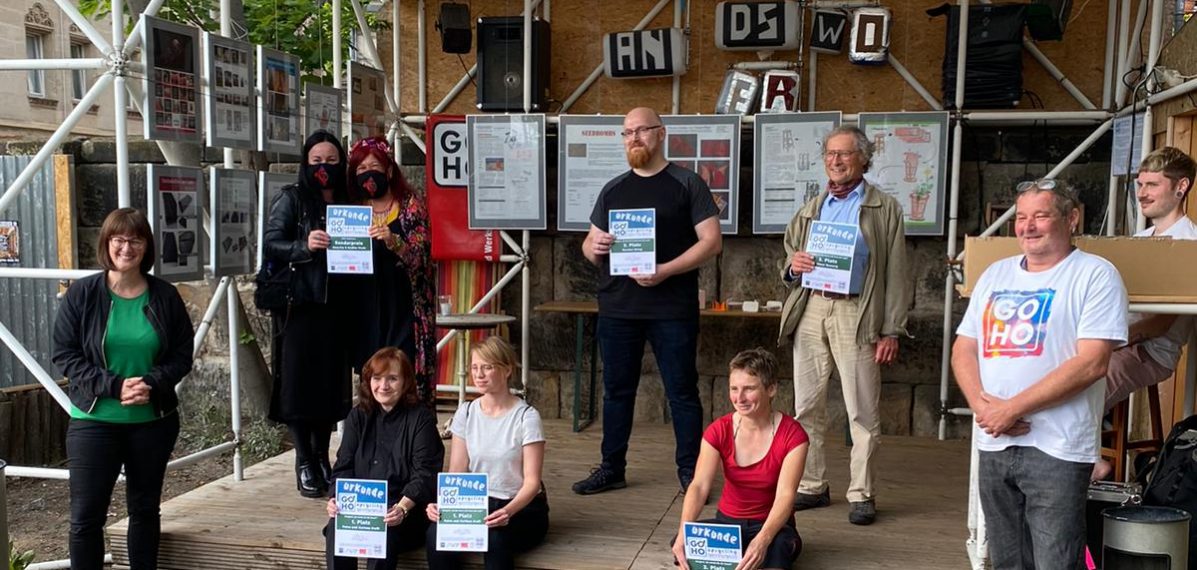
(1029, 356)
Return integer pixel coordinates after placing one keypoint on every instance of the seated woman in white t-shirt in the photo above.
(501, 435)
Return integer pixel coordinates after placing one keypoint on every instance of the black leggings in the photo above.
(525, 530)
(311, 440)
(96, 451)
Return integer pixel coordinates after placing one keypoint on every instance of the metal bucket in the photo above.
(1145, 538)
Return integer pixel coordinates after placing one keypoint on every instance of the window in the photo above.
(78, 76)
(37, 77)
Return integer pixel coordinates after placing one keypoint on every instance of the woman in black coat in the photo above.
(311, 367)
(123, 339)
(391, 435)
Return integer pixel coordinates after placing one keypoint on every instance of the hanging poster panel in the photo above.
(322, 109)
(175, 199)
(170, 105)
(910, 163)
(367, 102)
(270, 184)
(787, 165)
(507, 186)
(278, 88)
(1126, 151)
(229, 102)
(233, 207)
(710, 146)
(589, 154)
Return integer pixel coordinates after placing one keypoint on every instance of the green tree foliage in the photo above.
(298, 27)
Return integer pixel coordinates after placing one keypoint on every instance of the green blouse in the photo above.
(130, 346)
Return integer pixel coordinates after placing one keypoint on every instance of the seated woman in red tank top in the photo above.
(762, 453)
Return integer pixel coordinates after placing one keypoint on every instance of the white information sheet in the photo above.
(278, 88)
(350, 246)
(322, 110)
(910, 163)
(787, 165)
(635, 249)
(710, 146)
(590, 153)
(229, 104)
(461, 499)
(360, 530)
(1127, 150)
(507, 170)
(176, 198)
(233, 205)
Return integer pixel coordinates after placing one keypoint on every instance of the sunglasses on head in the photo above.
(1041, 184)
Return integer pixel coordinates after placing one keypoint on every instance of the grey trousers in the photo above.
(1034, 507)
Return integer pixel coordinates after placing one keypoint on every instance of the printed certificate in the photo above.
(350, 248)
(361, 506)
(712, 546)
(832, 245)
(635, 249)
(461, 498)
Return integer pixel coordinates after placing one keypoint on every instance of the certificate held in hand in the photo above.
(635, 249)
(832, 246)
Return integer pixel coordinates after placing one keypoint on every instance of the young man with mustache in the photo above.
(1165, 178)
(661, 308)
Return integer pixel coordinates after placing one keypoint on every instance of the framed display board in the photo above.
(322, 109)
(233, 207)
(229, 104)
(507, 172)
(910, 163)
(176, 195)
(787, 165)
(278, 90)
(367, 101)
(589, 154)
(170, 105)
(270, 184)
(710, 146)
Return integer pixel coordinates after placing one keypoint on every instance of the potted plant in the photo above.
(918, 201)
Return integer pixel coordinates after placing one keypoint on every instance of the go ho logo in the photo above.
(1015, 323)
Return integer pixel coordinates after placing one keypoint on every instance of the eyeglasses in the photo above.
(1042, 184)
(832, 154)
(637, 132)
(135, 243)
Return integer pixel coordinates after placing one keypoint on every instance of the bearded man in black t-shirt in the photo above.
(661, 307)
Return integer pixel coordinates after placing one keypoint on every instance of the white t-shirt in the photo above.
(496, 445)
(1165, 349)
(1026, 325)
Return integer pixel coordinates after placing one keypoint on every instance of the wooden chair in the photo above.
(1116, 442)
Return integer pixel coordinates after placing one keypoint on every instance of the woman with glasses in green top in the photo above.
(123, 339)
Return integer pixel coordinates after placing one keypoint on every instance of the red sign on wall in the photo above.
(446, 177)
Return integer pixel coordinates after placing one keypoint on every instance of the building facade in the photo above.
(36, 102)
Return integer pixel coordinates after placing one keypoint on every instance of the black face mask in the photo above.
(323, 176)
(373, 183)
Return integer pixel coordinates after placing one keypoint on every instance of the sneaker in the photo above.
(803, 501)
(600, 479)
(685, 478)
(863, 512)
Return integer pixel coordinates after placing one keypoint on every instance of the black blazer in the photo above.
(79, 343)
(402, 446)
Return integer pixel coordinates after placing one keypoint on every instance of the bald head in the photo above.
(643, 115)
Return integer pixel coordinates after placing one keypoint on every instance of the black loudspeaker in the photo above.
(454, 25)
(501, 64)
(993, 76)
(1046, 19)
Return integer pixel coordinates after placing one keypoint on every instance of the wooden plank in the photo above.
(64, 211)
(262, 522)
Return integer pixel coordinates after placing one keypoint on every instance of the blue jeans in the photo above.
(1034, 508)
(675, 345)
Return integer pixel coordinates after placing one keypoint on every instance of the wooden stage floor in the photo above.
(262, 522)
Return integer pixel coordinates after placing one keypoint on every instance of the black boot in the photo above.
(309, 481)
(325, 469)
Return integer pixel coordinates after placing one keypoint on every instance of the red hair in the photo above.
(378, 148)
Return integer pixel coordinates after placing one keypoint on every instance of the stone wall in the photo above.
(994, 161)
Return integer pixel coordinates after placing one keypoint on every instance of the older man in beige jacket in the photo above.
(854, 331)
